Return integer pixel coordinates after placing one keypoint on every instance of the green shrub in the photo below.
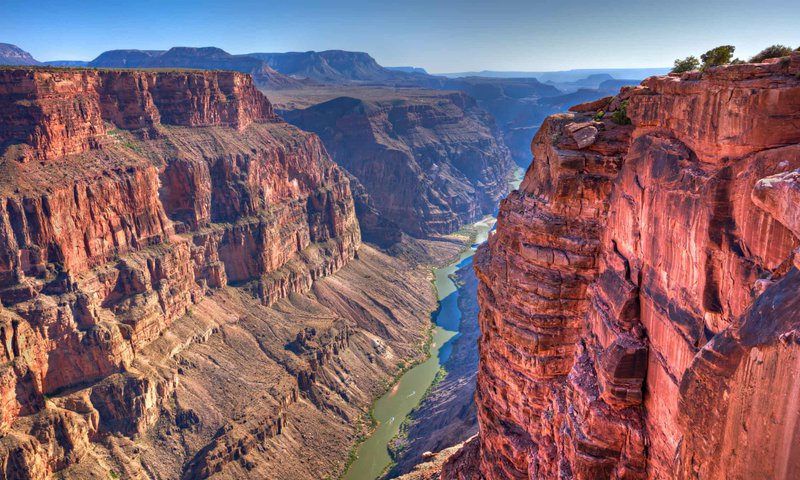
(773, 51)
(132, 147)
(620, 117)
(715, 57)
(686, 65)
(599, 115)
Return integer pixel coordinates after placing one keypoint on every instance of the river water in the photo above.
(391, 409)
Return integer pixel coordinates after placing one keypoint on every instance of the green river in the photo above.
(392, 408)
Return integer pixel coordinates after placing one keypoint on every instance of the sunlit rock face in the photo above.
(639, 300)
(127, 198)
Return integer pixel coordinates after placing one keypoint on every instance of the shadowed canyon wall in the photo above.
(131, 205)
(430, 162)
(639, 299)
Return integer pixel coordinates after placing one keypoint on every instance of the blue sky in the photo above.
(441, 36)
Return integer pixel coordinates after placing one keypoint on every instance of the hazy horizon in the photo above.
(442, 37)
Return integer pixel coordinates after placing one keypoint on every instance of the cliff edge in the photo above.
(639, 299)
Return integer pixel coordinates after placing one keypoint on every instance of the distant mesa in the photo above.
(565, 75)
(408, 70)
(338, 66)
(13, 55)
(207, 58)
(125, 58)
(66, 63)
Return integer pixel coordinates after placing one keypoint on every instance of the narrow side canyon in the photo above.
(639, 299)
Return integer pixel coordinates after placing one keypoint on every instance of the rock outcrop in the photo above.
(639, 300)
(431, 162)
(131, 200)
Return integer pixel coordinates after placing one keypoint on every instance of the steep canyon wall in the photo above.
(430, 162)
(130, 202)
(639, 300)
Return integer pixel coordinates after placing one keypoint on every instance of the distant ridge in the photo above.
(337, 66)
(207, 58)
(565, 75)
(66, 63)
(286, 69)
(13, 55)
(408, 70)
(129, 58)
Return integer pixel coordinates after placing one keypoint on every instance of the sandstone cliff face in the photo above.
(639, 299)
(431, 162)
(128, 198)
(52, 113)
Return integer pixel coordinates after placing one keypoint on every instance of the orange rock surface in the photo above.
(127, 197)
(639, 299)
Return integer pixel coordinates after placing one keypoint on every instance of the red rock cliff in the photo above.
(118, 212)
(52, 113)
(639, 300)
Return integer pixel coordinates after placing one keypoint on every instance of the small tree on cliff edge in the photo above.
(686, 65)
(774, 51)
(721, 55)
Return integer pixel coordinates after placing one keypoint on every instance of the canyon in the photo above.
(185, 292)
(447, 413)
(430, 161)
(518, 101)
(216, 273)
(639, 306)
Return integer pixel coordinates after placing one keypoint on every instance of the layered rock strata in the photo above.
(639, 306)
(430, 161)
(131, 202)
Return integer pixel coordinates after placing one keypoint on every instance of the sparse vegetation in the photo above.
(132, 147)
(715, 57)
(599, 115)
(367, 420)
(773, 51)
(620, 117)
(686, 65)
(723, 55)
